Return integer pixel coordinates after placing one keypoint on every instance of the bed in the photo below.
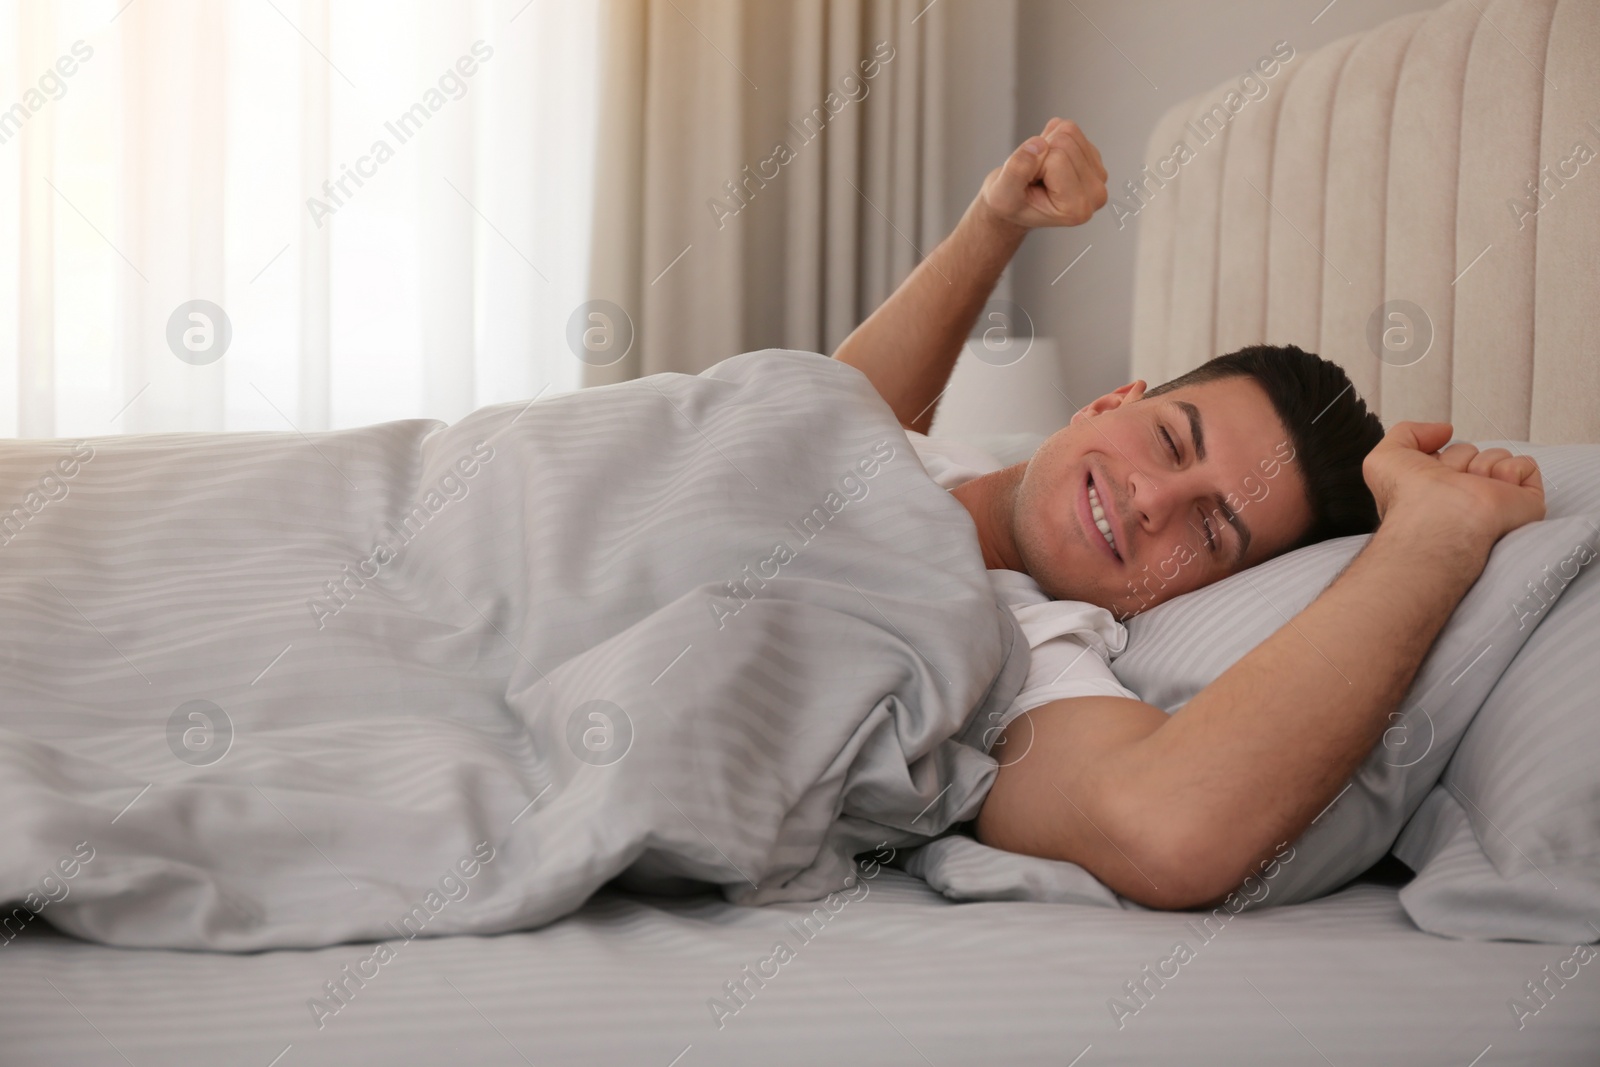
(902, 976)
(905, 975)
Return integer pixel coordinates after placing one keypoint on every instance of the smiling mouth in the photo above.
(1101, 523)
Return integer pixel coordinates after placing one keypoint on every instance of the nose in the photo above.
(1156, 498)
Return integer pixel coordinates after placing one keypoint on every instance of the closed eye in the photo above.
(1171, 447)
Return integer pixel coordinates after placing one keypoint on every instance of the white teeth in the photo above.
(1100, 522)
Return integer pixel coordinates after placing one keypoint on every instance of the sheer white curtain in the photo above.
(390, 201)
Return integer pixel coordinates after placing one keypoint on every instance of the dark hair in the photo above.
(1328, 424)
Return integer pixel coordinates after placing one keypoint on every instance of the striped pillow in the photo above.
(1508, 844)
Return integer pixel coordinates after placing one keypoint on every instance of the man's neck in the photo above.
(990, 499)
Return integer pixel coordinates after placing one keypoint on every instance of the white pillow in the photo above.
(1508, 844)
(1007, 448)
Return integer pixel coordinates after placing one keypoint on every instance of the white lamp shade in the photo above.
(1016, 387)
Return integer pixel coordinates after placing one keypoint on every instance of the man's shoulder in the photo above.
(1043, 618)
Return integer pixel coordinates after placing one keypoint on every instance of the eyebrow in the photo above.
(1196, 430)
(1198, 434)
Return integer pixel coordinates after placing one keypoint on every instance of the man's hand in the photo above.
(1459, 492)
(908, 347)
(1055, 179)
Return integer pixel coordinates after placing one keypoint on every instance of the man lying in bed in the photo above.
(1150, 493)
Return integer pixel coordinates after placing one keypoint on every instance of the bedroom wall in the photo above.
(1115, 66)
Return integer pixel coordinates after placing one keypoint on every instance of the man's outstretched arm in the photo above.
(1174, 812)
(908, 346)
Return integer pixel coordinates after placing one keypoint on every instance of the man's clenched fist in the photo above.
(1055, 179)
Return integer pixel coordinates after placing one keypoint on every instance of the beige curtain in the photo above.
(768, 172)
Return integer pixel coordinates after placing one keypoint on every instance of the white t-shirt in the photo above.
(1071, 643)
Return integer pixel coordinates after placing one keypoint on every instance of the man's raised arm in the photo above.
(908, 346)
(1174, 812)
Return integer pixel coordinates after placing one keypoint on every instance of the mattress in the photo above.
(899, 976)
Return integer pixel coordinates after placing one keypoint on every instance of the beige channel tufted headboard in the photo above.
(1448, 159)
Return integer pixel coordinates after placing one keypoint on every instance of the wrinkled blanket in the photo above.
(280, 689)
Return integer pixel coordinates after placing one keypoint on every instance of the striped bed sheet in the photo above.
(900, 976)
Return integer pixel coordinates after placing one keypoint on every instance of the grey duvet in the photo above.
(279, 689)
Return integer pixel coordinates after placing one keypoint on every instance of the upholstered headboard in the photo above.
(1445, 164)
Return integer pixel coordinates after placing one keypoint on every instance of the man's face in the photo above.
(1167, 471)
